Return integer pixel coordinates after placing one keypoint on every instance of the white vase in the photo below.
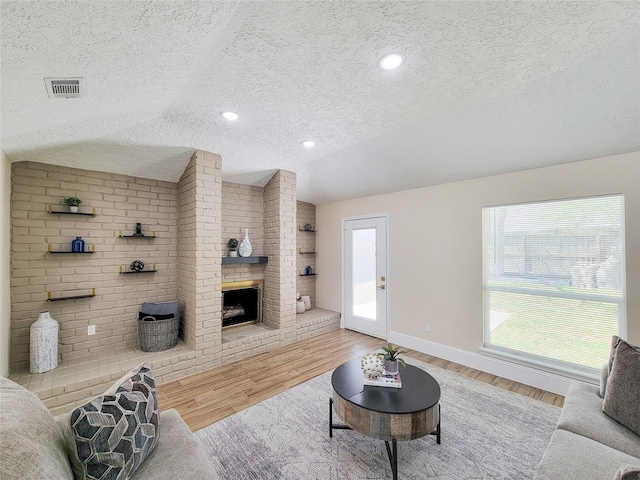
(307, 301)
(43, 344)
(245, 246)
(300, 308)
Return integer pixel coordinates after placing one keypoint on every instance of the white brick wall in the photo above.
(120, 202)
(200, 252)
(280, 245)
(242, 208)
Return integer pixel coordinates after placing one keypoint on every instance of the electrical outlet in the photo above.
(91, 330)
(401, 262)
(427, 327)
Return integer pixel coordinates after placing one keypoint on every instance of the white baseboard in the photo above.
(547, 381)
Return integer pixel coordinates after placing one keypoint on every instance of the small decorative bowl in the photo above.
(372, 365)
(137, 266)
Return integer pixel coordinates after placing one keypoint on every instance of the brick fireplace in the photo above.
(193, 221)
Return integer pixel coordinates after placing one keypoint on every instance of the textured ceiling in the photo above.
(486, 88)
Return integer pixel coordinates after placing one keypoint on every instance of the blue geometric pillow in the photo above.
(115, 432)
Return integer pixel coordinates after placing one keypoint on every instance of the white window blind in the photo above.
(554, 279)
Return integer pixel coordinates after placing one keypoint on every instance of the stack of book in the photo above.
(387, 380)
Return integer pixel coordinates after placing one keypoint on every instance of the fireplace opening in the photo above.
(241, 303)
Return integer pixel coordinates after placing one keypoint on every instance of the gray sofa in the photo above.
(32, 444)
(598, 432)
(587, 444)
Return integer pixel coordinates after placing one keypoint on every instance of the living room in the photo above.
(547, 137)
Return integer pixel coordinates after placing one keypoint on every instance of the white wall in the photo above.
(5, 240)
(438, 232)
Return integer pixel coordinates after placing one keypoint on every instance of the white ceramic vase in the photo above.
(300, 308)
(307, 301)
(245, 247)
(43, 344)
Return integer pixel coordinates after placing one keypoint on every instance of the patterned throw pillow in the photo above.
(628, 472)
(114, 433)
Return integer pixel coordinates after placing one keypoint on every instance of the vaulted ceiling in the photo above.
(485, 88)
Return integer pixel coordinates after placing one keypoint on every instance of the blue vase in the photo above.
(309, 270)
(77, 245)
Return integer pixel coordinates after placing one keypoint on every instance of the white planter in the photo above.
(391, 366)
(73, 208)
(233, 253)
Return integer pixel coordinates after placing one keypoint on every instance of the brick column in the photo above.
(199, 256)
(280, 246)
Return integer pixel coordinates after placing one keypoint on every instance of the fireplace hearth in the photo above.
(241, 303)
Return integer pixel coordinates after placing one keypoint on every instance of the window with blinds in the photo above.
(554, 279)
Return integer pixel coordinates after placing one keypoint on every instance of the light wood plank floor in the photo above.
(205, 398)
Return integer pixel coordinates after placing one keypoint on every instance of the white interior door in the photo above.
(364, 262)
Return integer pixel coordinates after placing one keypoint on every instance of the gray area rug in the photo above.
(487, 433)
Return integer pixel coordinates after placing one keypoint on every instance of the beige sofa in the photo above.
(588, 443)
(32, 444)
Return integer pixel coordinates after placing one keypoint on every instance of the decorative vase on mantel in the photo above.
(245, 247)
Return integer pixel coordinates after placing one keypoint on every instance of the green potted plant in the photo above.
(391, 358)
(73, 203)
(233, 247)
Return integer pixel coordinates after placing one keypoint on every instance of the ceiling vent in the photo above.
(64, 87)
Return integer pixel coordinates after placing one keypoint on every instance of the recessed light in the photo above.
(230, 115)
(391, 61)
(308, 143)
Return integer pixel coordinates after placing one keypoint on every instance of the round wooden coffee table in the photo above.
(385, 413)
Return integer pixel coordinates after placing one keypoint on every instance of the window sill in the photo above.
(583, 374)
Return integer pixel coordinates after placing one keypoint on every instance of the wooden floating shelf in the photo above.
(92, 214)
(71, 297)
(308, 274)
(310, 231)
(308, 253)
(240, 260)
(91, 251)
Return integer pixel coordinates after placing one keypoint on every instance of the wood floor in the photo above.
(207, 397)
